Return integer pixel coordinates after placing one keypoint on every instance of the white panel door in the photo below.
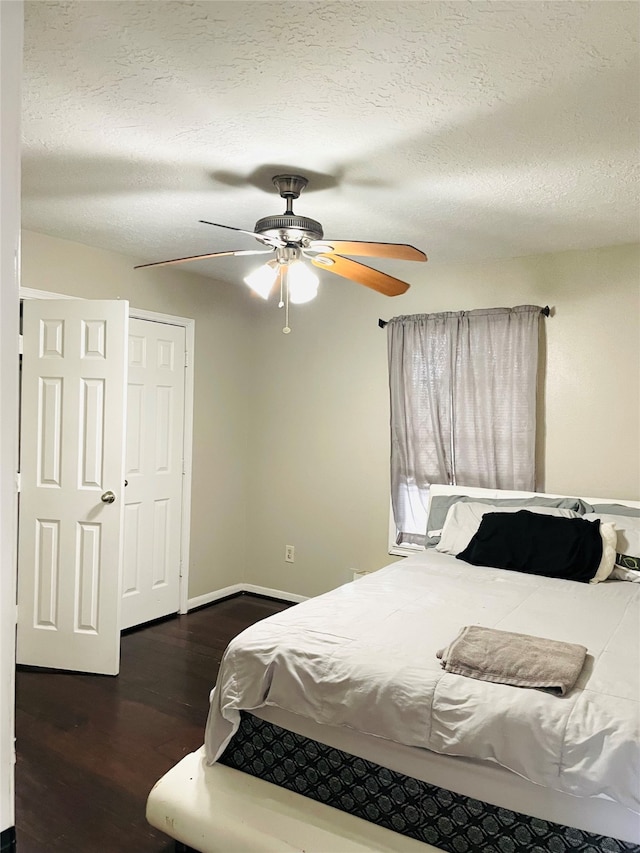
(71, 457)
(154, 453)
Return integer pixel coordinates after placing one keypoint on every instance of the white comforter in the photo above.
(364, 656)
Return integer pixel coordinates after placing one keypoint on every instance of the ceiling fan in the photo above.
(291, 239)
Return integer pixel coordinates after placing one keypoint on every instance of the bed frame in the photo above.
(217, 809)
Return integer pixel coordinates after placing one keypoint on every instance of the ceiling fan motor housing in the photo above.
(290, 228)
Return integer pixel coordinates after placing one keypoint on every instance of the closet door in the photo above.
(153, 472)
(73, 416)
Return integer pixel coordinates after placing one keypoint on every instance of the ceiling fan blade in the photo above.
(268, 241)
(376, 280)
(204, 257)
(401, 251)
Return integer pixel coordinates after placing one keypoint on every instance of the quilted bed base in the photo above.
(449, 821)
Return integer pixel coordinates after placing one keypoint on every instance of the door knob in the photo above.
(108, 498)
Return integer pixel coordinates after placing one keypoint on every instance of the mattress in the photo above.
(362, 658)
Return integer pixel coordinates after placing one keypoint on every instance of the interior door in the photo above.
(73, 410)
(154, 472)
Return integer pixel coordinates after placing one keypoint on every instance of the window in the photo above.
(463, 406)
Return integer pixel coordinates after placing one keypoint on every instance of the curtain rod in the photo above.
(546, 311)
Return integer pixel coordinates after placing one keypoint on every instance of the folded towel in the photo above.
(517, 659)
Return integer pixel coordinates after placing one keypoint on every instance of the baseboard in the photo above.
(273, 593)
(237, 588)
(8, 840)
(216, 595)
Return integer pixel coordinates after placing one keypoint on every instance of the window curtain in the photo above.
(463, 405)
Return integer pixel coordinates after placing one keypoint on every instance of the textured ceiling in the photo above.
(470, 129)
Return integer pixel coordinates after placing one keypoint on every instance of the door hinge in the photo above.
(18, 481)
(186, 358)
(20, 344)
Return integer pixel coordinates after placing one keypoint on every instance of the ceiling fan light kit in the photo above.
(299, 281)
(293, 239)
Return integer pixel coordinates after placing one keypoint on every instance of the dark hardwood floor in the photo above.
(90, 748)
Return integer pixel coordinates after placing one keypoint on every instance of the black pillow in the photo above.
(536, 544)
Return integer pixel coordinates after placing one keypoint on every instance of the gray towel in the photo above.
(517, 659)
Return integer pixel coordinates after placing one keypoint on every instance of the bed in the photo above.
(333, 725)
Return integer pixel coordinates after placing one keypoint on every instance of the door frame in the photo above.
(11, 44)
(187, 446)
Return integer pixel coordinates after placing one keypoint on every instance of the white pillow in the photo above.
(609, 540)
(621, 574)
(463, 521)
(627, 543)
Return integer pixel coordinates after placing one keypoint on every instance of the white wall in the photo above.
(291, 442)
(221, 407)
(10, 76)
(320, 417)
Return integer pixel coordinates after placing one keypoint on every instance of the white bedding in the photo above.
(363, 656)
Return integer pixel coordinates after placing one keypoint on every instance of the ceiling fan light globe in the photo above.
(262, 280)
(302, 283)
(300, 295)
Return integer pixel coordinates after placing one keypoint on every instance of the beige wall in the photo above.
(221, 414)
(319, 441)
(291, 435)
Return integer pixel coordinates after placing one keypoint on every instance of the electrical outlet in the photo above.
(289, 554)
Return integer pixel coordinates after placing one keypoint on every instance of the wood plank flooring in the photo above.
(90, 748)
